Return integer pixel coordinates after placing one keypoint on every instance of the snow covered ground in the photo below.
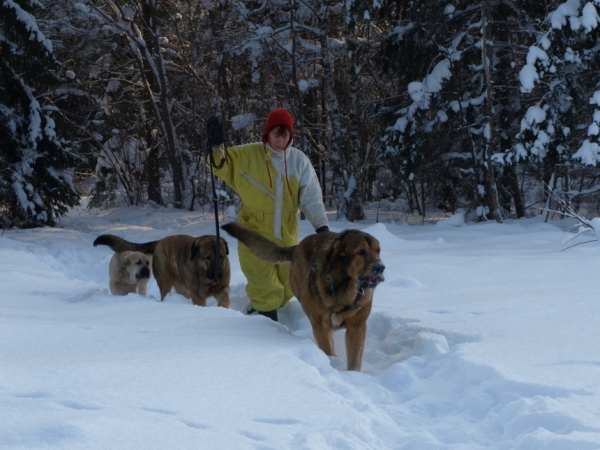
(482, 336)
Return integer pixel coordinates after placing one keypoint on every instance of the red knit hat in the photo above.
(276, 117)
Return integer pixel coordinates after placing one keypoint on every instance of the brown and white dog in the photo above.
(333, 275)
(184, 262)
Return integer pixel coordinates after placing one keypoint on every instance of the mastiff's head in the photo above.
(204, 252)
(357, 254)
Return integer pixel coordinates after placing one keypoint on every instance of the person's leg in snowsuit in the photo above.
(268, 284)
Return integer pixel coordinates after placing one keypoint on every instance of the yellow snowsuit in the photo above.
(272, 186)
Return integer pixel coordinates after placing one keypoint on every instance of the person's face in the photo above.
(278, 141)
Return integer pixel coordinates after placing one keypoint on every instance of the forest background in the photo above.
(491, 107)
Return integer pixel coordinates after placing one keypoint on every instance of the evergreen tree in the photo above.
(35, 187)
(560, 82)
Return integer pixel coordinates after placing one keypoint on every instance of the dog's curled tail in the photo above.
(119, 244)
(260, 246)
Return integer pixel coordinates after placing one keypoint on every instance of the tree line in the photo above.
(482, 105)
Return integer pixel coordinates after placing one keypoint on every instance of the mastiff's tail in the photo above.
(119, 244)
(260, 246)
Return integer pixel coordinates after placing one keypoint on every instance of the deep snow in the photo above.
(482, 336)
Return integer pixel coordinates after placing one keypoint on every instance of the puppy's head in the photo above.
(204, 251)
(138, 265)
(358, 255)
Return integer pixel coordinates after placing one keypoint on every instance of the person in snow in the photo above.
(273, 180)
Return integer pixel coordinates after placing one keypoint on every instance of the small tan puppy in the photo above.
(129, 271)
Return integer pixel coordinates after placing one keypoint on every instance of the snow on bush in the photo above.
(556, 54)
(528, 74)
(242, 121)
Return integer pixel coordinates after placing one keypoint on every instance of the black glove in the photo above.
(321, 229)
(214, 131)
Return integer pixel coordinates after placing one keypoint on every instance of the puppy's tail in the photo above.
(119, 244)
(260, 246)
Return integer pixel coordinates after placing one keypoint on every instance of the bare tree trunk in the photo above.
(413, 198)
(504, 98)
(515, 191)
(299, 105)
(157, 76)
(489, 137)
(224, 101)
(340, 180)
(354, 200)
(477, 194)
(174, 153)
(153, 181)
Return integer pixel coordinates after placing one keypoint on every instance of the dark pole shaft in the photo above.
(216, 209)
(215, 136)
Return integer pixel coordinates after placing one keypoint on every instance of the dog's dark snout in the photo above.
(214, 274)
(144, 273)
(378, 267)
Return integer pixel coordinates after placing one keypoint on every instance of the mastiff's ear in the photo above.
(195, 249)
(338, 249)
(226, 246)
(337, 253)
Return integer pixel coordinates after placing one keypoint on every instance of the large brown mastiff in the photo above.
(333, 275)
